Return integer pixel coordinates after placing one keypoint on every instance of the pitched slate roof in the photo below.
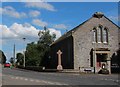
(69, 33)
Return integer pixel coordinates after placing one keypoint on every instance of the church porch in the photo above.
(101, 59)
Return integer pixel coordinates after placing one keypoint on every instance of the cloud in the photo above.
(34, 13)
(26, 24)
(22, 31)
(10, 11)
(39, 22)
(19, 31)
(40, 5)
(56, 32)
(1, 43)
(60, 26)
(6, 33)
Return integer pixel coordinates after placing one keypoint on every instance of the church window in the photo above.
(99, 34)
(94, 35)
(105, 35)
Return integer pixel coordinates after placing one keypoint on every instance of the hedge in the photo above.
(34, 68)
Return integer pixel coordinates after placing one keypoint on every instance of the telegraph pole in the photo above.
(24, 53)
(14, 53)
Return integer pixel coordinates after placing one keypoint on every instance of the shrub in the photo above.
(103, 71)
(34, 68)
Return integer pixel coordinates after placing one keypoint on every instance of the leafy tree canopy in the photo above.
(36, 52)
(19, 58)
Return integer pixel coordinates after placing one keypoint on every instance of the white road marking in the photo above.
(52, 83)
(31, 80)
(16, 77)
(111, 80)
(26, 79)
(105, 79)
(117, 81)
(36, 80)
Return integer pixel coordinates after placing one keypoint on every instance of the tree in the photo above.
(45, 40)
(32, 54)
(37, 53)
(3, 57)
(19, 58)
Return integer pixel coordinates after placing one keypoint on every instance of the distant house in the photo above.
(90, 45)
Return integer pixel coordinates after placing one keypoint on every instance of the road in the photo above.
(26, 77)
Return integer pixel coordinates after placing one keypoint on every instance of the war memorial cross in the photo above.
(59, 67)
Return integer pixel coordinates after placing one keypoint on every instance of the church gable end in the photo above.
(94, 40)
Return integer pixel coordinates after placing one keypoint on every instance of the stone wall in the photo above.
(83, 40)
(119, 38)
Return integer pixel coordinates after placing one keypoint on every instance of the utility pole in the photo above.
(24, 53)
(14, 53)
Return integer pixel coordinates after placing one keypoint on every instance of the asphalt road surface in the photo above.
(26, 77)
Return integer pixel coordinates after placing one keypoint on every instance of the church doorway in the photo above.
(101, 59)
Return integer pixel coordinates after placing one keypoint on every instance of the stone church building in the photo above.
(88, 46)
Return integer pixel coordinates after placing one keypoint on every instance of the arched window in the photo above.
(99, 34)
(94, 35)
(105, 35)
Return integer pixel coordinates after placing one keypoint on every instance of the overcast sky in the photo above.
(26, 19)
